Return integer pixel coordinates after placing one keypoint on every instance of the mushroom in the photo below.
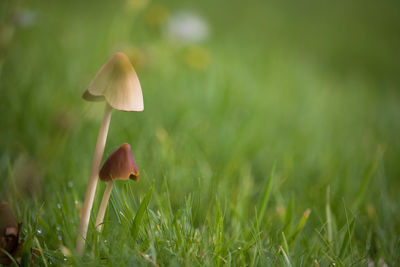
(117, 84)
(9, 235)
(120, 165)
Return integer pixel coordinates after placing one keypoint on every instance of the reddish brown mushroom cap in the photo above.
(120, 165)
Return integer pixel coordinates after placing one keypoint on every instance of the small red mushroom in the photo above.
(120, 165)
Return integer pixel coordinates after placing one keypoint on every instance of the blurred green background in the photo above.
(309, 87)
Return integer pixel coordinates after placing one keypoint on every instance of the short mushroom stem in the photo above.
(103, 205)
(91, 189)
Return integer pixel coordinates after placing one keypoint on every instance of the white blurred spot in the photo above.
(25, 18)
(187, 26)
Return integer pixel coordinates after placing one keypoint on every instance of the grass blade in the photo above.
(285, 243)
(328, 215)
(288, 216)
(177, 230)
(265, 198)
(9, 256)
(347, 238)
(219, 220)
(364, 183)
(137, 221)
(285, 256)
(41, 252)
(300, 226)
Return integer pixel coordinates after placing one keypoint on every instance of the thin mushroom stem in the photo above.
(91, 188)
(103, 205)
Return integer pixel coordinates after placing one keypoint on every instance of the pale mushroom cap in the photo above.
(118, 84)
(120, 165)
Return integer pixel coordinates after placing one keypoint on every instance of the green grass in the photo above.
(283, 151)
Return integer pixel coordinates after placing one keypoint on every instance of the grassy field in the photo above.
(275, 141)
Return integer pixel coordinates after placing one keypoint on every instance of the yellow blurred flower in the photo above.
(162, 135)
(371, 211)
(156, 15)
(6, 35)
(281, 211)
(138, 57)
(136, 5)
(197, 58)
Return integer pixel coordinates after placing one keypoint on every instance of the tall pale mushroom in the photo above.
(117, 84)
(120, 165)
